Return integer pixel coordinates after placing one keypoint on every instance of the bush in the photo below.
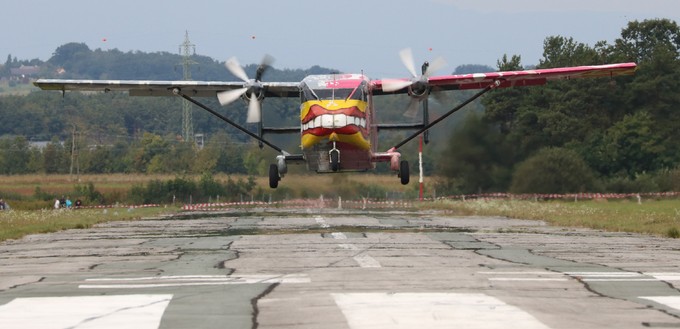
(640, 184)
(89, 194)
(553, 170)
(185, 190)
(668, 180)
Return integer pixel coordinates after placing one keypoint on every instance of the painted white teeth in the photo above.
(334, 121)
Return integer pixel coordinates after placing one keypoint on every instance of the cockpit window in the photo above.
(357, 93)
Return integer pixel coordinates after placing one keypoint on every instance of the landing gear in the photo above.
(404, 172)
(274, 177)
(334, 155)
(335, 160)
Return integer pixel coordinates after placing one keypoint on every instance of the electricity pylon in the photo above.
(187, 49)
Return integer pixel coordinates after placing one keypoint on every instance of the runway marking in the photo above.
(528, 279)
(120, 311)
(527, 276)
(521, 273)
(319, 220)
(349, 246)
(670, 301)
(366, 261)
(605, 274)
(619, 280)
(665, 276)
(611, 276)
(339, 236)
(363, 260)
(191, 280)
(431, 310)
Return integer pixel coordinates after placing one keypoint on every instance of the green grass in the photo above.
(655, 217)
(15, 224)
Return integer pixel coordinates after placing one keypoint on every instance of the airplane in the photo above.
(338, 128)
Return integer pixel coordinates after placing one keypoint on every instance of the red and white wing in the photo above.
(517, 78)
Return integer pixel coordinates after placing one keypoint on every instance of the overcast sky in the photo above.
(348, 35)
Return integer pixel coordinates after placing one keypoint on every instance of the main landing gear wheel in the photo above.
(404, 172)
(274, 177)
(335, 160)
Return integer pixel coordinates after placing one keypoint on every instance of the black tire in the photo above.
(335, 160)
(404, 172)
(274, 176)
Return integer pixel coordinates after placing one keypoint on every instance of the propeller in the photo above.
(418, 86)
(252, 88)
(406, 56)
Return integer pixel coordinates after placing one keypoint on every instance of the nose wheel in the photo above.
(335, 160)
(334, 155)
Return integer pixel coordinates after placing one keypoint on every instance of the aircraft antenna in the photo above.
(187, 49)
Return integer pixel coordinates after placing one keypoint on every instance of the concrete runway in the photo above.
(316, 268)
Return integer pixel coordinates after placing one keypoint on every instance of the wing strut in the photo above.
(178, 92)
(460, 106)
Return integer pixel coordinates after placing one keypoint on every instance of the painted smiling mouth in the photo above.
(346, 125)
(319, 119)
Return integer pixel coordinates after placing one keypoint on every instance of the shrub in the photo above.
(640, 184)
(553, 170)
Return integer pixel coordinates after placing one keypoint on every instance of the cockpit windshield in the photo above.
(330, 88)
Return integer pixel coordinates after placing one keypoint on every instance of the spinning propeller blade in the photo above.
(229, 96)
(412, 110)
(235, 68)
(407, 59)
(390, 85)
(252, 88)
(436, 65)
(253, 109)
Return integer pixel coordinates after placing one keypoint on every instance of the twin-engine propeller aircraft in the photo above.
(338, 126)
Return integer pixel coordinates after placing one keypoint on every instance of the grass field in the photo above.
(656, 217)
(298, 185)
(15, 224)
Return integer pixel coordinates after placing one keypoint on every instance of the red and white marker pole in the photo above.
(420, 166)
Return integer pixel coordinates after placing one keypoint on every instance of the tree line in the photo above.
(615, 134)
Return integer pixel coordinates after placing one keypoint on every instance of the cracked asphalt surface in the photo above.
(319, 268)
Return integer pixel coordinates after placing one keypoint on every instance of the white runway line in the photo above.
(431, 310)
(670, 301)
(339, 236)
(520, 273)
(191, 280)
(349, 246)
(366, 261)
(528, 276)
(102, 312)
(605, 274)
(611, 276)
(528, 279)
(363, 260)
(319, 220)
(665, 276)
(620, 280)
